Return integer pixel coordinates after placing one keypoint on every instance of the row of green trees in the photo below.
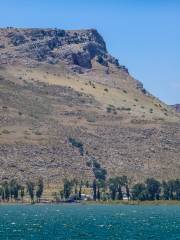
(13, 191)
(102, 188)
(152, 189)
(111, 189)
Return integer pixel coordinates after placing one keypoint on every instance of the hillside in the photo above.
(58, 85)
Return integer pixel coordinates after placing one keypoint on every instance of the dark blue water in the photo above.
(91, 222)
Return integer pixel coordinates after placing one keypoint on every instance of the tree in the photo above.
(100, 173)
(113, 186)
(94, 190)
(14, 189)
(139, 192)
(80, 188)
(96, 165)
(153, 188)
(77, 144)
(5, 191)
(127, 191)
(172, 188)
(98, 191)
(1, 191)
(40, 188)
(61, 194)
(76, 183)
(87, 184)
(120, 183)
(100, 186)
(30, 189)
(100, 177)
(22, 193)
(68, 185)
(166, 189)
(177, 189)
(125, 184)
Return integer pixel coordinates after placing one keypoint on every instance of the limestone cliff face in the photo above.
(76, 48)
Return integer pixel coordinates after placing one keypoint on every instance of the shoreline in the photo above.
(127, 203)
(138, 203)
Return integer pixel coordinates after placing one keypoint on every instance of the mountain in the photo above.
(64, 100)
(176, 107)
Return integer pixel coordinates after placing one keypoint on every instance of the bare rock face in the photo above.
(76, 48)
(176, 107)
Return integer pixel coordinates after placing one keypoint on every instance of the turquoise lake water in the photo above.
(51, 222)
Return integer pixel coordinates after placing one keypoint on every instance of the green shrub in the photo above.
(124, 109)
(77, 144)
(5, 131)
(108, 109)
(151, 110)
(111, 108)
(37, 133)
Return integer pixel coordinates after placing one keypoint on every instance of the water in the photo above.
(51, 222)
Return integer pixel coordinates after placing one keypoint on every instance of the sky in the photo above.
(143, 34)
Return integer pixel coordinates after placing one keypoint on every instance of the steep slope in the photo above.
(58, 85)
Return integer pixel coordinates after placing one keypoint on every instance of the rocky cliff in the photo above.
(76, 48)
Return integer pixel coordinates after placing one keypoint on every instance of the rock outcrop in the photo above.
(176, 107)
(76, 48)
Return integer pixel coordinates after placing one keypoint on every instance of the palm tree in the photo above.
(120, 183)
(113, 186)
